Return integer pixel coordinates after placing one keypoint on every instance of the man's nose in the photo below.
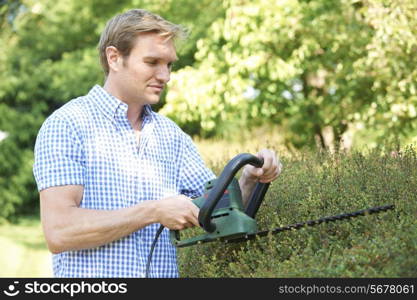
(163, 74)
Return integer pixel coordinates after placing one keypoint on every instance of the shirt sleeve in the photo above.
(58, 155)
(194, 172)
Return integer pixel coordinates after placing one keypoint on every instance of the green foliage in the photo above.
(391, 64)
(305, 66)
(315, 185)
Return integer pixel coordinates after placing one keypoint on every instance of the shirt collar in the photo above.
(111, 106)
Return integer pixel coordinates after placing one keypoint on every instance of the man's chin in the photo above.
(154, 99)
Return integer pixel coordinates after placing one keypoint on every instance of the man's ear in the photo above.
(114, 58)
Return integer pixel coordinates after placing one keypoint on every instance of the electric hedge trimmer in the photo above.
(224, 218)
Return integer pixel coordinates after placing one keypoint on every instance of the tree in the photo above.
(307, 66)
(391, 63)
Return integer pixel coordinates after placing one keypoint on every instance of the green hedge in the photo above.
(315, 185)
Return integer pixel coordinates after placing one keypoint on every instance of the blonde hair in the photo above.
(122, 30)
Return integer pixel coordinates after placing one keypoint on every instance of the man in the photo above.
(110, 170)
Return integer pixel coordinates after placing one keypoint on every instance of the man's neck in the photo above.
(134, 110)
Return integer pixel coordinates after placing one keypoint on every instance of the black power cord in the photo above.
(148, 264)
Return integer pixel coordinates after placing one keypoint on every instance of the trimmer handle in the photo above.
(256, 199)
(215, 194)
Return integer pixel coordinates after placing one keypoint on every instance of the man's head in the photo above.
(122, 30)
(137, 51)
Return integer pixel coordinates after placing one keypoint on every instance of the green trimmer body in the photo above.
(222, 212)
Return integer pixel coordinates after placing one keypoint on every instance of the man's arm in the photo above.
(68, 227)
(250, 176)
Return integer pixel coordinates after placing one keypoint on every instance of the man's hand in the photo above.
(177, 212)
(250, 176)
(270, 170)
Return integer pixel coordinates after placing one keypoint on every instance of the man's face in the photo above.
(145, 72)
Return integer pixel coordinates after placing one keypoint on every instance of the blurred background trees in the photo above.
(309, 67)
(321, 72)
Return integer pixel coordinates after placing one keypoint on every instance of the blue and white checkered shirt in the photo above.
(89, 141)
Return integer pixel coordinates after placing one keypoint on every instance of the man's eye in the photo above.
(151, 62)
